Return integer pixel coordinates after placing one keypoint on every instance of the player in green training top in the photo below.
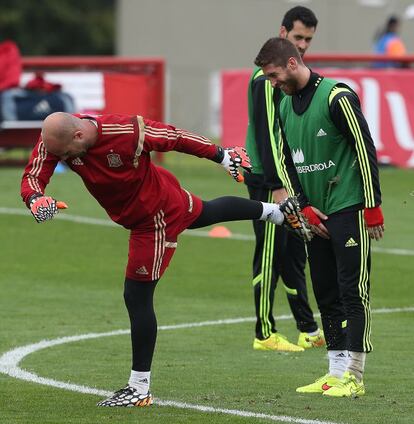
(278, 252)
(328, 158)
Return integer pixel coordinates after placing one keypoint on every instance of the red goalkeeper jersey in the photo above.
(118, 170)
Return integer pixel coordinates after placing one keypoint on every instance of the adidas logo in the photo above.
(77, 161)
(142, 270)
(321, 133)
(42, 107)
(351, 243)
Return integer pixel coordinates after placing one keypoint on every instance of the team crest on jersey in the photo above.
(114, 160)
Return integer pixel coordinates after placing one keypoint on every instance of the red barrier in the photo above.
(234, 119)
(126, 93)
(387, 98)
(150, 69)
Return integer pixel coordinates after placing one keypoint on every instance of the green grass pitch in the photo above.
(64, 278)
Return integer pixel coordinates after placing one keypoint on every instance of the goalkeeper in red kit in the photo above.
(111, 153)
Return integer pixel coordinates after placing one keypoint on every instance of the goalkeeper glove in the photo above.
(373, 216)
(43, 208)
(294, 220)
(234, 158)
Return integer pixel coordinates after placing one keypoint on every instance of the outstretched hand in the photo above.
(235, 158)
(44, 208)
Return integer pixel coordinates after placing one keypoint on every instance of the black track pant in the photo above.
(340, 269)
(138, 295)
(278, 252)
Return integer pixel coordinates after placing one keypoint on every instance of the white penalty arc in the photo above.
(10, 360)
(195, 233)
(9, 365)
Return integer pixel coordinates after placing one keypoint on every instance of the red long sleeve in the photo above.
(38, 171)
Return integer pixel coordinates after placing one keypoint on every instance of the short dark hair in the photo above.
(299, 13)
(277, 51)
(392, 22)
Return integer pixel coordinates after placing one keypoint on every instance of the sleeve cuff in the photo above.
(219, 156)
(32, 197)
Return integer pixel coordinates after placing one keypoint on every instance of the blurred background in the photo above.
(199, 38)
(186, 62)
(196, 57)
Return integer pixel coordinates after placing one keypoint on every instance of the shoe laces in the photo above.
(280, 337)
(323, 378)
(126, 389)
(311, 338)
(348, 380)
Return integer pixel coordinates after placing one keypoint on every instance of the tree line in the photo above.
(59, 27)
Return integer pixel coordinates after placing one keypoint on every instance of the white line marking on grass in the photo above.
(240, 320)
(239, 413)
(9, 365)
(10, 360)
(194, 233)
(62, 217)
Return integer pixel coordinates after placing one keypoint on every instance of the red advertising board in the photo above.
(387, 99)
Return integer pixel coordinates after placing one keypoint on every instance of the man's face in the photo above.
(75, 148)
(300, 35)
(282, 77)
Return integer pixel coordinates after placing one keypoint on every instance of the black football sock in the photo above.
(138, 298)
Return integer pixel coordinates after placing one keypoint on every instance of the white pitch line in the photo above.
(278, 318)
(195, 233)
(239, 413)
(62, 217)
(9, 365)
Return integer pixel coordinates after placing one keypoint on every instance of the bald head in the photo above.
(58, 130)
(65, 135)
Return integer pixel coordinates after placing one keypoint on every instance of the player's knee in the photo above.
(138, 294)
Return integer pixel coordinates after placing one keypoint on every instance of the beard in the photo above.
(289, 86)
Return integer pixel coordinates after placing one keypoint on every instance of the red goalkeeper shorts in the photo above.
(152, 245)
